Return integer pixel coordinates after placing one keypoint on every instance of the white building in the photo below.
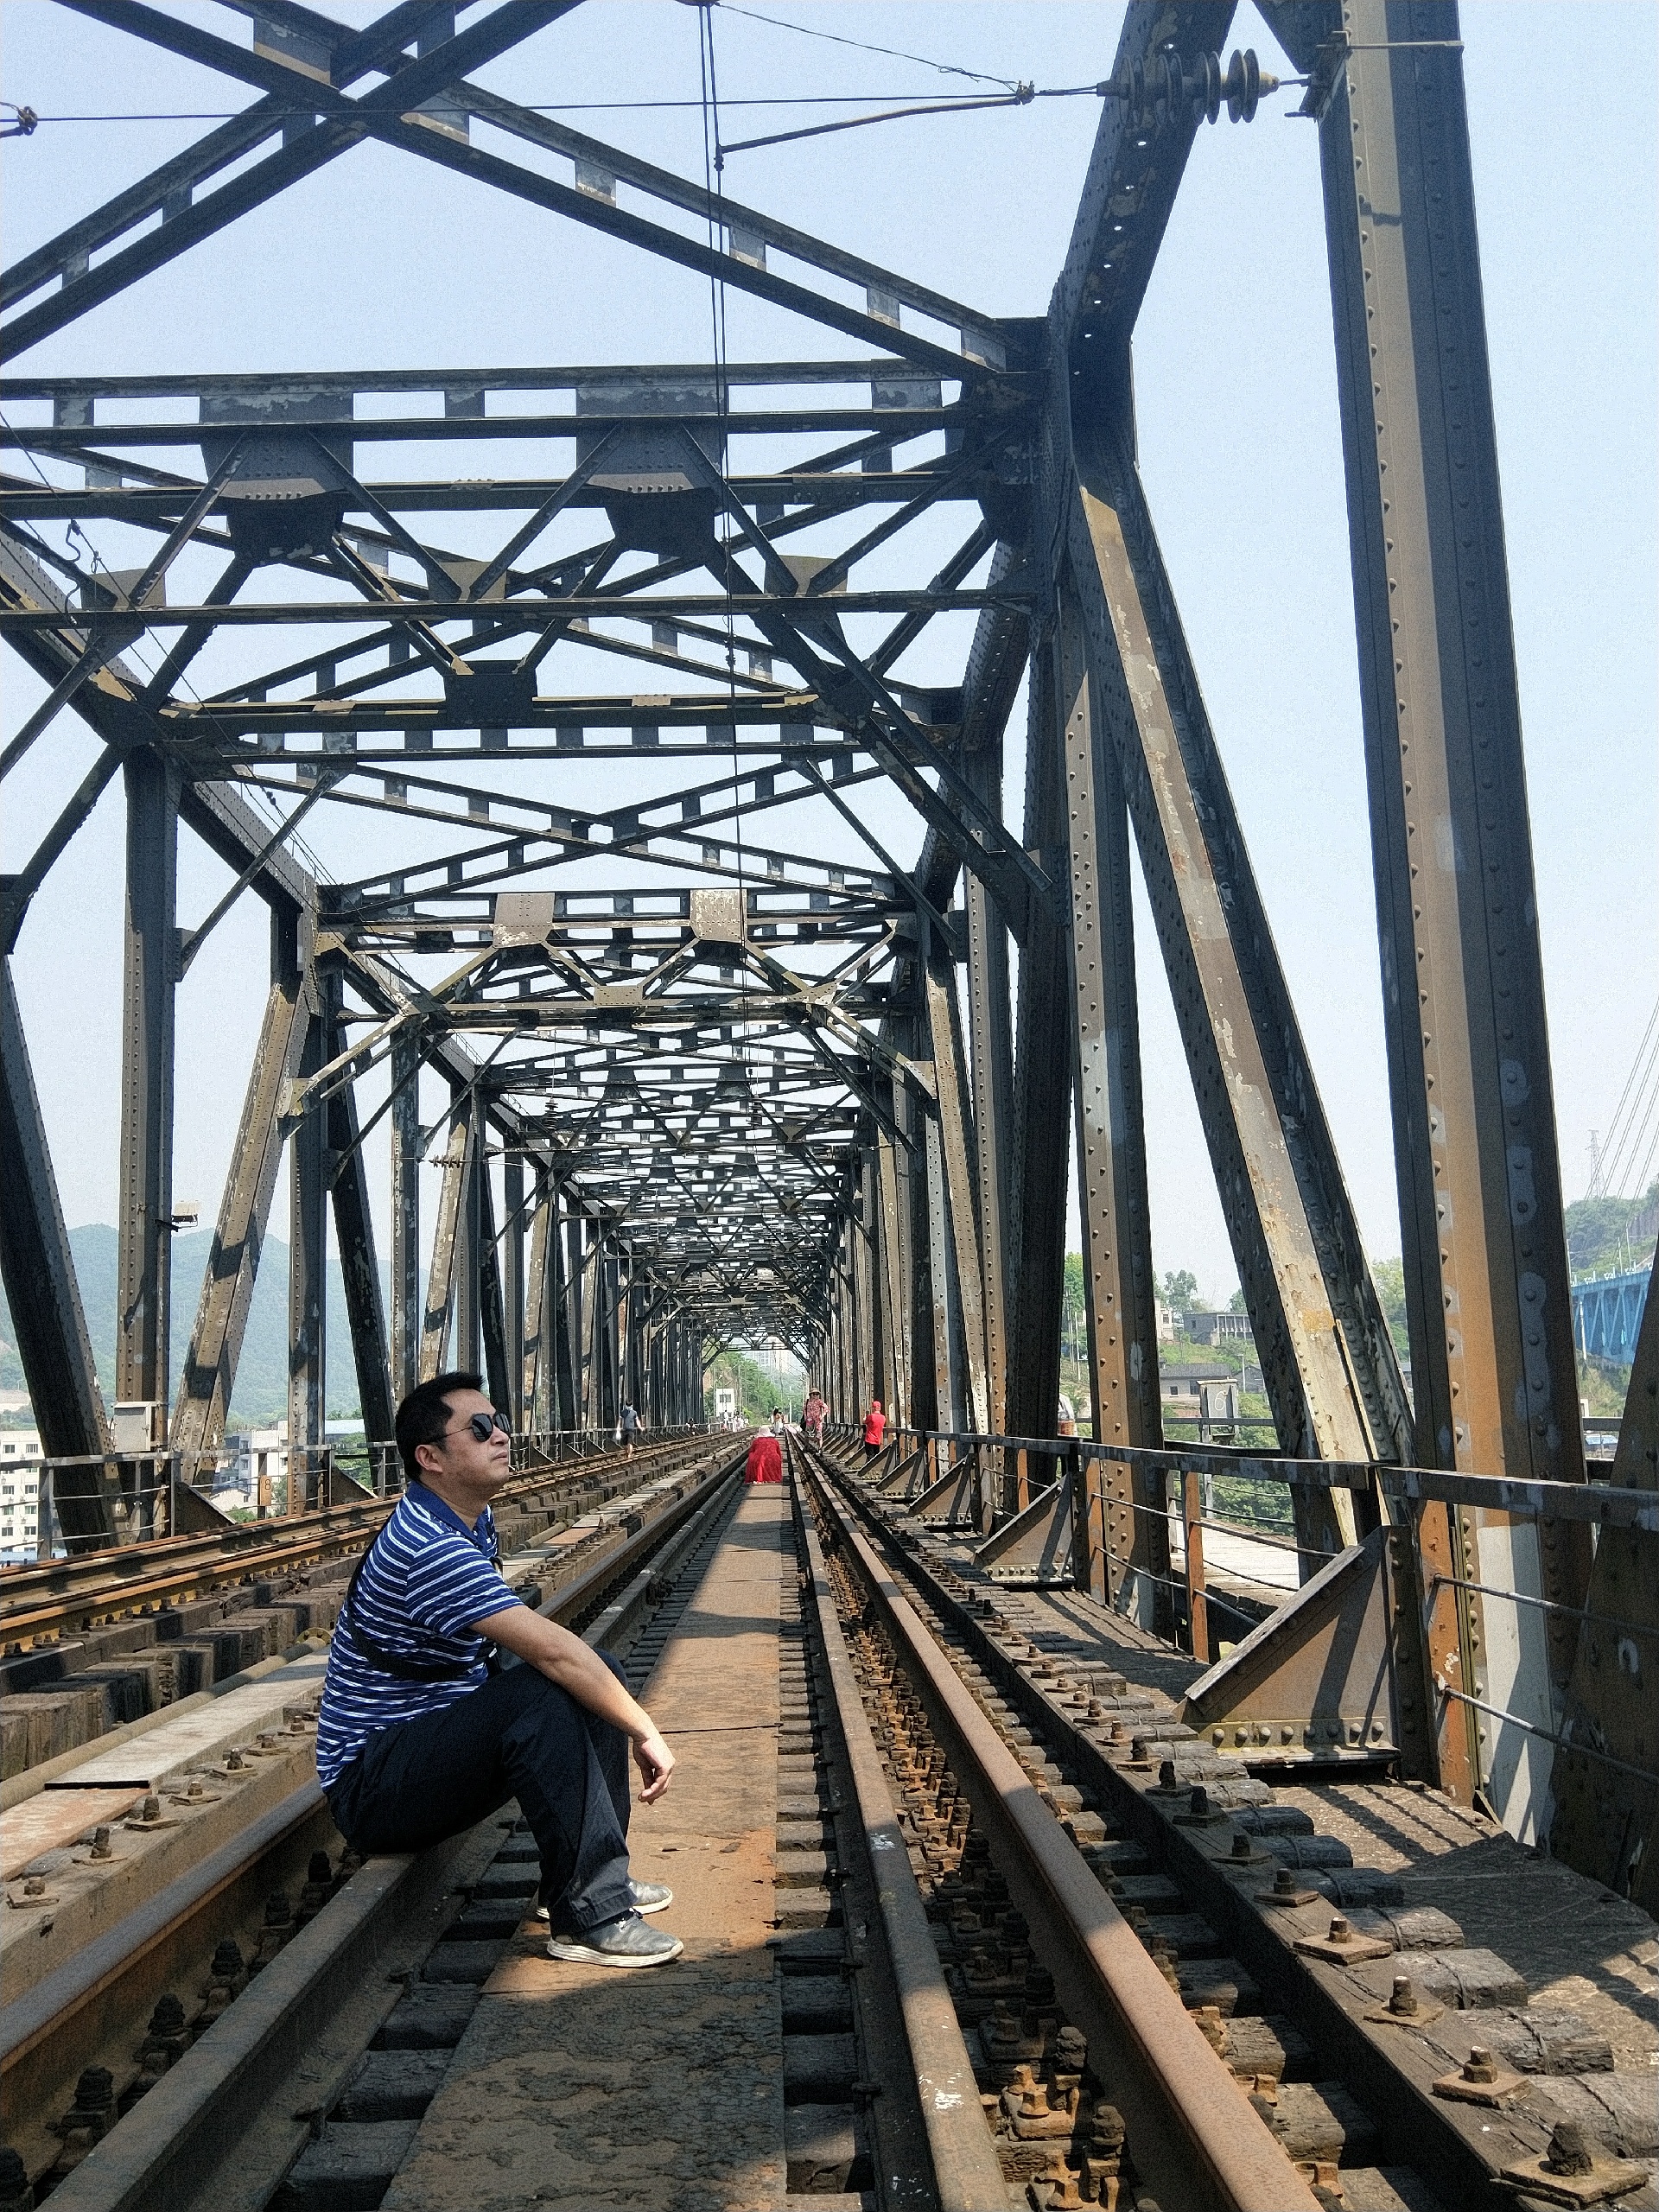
(20, 1496)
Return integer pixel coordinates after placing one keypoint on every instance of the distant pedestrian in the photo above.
(876, 1427)
(628, 1426)
(765, 1459)
(812, 1414)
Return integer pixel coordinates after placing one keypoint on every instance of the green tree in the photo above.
(1072, 1309)
(1390, 1276)
(757, 1392)
(1236, 1303)
(1180, 1290)
(1607, 1237)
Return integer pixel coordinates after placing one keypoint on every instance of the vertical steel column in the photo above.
(491, 1320)
(41, 1290)
(990, 1037)
(145, 1226)
(307, 1251)
(893, 1275)
(535, 1364)
(956, 1147)
(1042, 1091)
(513, 1282)
(1121, 1534)
(589, 1297)
(568, 1342)
(469, 1247)
(938, 1281)
(858, 1287)
(1488, 1302)
(445, 1235)
(405, 1214)
(354, 1241)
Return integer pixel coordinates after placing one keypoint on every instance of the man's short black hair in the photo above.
(424, 1415)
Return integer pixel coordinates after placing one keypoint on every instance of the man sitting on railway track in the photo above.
(423, 1734)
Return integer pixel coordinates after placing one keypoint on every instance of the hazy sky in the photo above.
(380, 260)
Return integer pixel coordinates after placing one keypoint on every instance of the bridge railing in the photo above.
(1529, 1673)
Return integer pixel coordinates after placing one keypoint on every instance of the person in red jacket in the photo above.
(876, 1427)
(765, 1459)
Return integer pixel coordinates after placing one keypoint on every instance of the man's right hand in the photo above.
(656, 1763)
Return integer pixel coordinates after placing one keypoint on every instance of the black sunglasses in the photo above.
(483, 1426)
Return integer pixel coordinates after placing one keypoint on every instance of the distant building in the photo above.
(1168, 1325)
(1208, 1328)
(1180, 1387)
(20, 1496)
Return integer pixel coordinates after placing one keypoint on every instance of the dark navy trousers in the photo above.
(518, 1736)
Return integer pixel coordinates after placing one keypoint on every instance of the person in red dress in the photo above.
(765, 1459)
(876, 1427)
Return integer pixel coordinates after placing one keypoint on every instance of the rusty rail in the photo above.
(1194, 2138)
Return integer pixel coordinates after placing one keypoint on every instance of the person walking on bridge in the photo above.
(876, 1427)
(812, 1414)
(423, 1733)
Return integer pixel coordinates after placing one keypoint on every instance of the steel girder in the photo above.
(698, 1029)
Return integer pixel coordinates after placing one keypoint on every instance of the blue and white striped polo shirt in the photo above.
(426, 1580)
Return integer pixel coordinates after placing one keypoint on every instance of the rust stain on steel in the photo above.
(1190, 2126)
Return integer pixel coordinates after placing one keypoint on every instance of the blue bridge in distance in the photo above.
(1606, 1314)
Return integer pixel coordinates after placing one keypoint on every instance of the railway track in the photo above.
(1389, 2063)
(253, 1954)
(959, 1935)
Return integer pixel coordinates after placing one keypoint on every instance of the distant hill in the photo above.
(261, 1372)
(1612, 1236)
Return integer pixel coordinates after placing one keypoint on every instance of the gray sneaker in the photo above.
(648, 1896)
(624, 1942)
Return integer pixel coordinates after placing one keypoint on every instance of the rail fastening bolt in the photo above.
(1569, 2151)
(1402, 1998)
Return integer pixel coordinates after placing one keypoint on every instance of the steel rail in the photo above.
(80, 1591)
(1193, 2135)
(967, 2173)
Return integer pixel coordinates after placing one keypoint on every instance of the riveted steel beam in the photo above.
(1487, 1297)
(1327, 1360)
(44, 1296)
(1042, 1091)
(209, 1378)
(1124, 1534)
(144, 1230)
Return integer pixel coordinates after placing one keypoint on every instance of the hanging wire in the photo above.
(836, 38)
(530, 107)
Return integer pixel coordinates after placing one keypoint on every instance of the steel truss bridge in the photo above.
(693, 1081)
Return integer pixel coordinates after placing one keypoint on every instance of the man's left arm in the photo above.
(566, 1660)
